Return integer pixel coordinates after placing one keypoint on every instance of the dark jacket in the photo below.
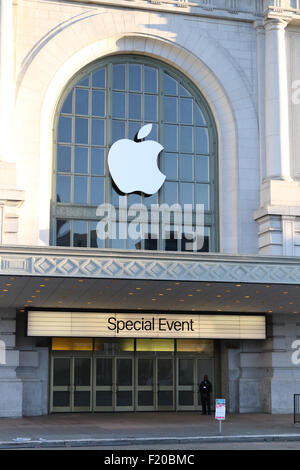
(205, 387)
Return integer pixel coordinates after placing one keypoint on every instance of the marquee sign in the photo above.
(139, 325)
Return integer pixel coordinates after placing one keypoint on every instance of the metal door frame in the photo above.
(71, 388)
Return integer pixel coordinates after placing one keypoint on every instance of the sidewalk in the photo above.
(138, 428)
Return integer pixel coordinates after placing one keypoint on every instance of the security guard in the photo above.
(205, 389)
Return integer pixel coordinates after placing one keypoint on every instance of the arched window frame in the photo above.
(86, 212)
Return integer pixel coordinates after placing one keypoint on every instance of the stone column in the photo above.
(11, 388)
(276, 101)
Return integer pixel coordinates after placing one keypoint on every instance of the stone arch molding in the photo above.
(214, 75)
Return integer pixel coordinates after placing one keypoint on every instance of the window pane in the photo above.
(171, 139)
(84, 81)
(183, 91)
(98, 103)
(186, 193)
(186, 111)
(95, 242)
(64, 129)
(186, 139)
(97, 161)
(199, 119)
(118, 76)
(67, 106)
(63, 237)
(201, 140)
(133, 128)
(171, 192)
(81, 160)
(98, 131)
(135, 77)
(202, 169)
(154, 133)
(171, 166)
(97, 190)
(63, 158)
(202, 195)
(118, 105)
(79, 233)
(63, 188)
(98, 78)
(81, 131)
(170, 85)
(170, 109)
(81, 101)
(135, 102)
(150, 80)
(150, 107)
(186, 167)
(118, 130)
(80, 189)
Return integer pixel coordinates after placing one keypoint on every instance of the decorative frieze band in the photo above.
(159, 266)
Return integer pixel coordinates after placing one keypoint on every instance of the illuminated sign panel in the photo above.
(138, 325)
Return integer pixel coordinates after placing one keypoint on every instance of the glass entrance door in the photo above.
(71, 384)
(114, 384)
(165, 383)
(145, 386)
(124, 384)
(186, 384)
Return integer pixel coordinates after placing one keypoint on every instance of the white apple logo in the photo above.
(133, 165)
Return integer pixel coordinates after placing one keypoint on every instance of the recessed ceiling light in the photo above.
(285, 293)
(198, 290)
(267, 287)
(169, 288)
(270, 311)
(138, 288)
(238, 285)
(295, 312)
(42, 285)
(130, 293)
(219, 296)
(37, 290)
(5, 290)
(291, 303)
(153, 300)
(9, 284)
(247, 296)
(33, 296)
(228, 290)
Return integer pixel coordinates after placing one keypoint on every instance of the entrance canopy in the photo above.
(52, 277)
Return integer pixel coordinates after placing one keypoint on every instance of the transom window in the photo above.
(110, 100)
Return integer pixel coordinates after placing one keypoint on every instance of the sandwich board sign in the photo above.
(220, 411)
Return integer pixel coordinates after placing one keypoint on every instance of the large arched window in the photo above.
(110, 100)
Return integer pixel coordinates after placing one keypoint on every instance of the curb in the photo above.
(46, 443)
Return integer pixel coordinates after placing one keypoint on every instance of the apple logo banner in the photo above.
(133, 165)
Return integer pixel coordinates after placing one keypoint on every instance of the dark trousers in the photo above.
(205, 402)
